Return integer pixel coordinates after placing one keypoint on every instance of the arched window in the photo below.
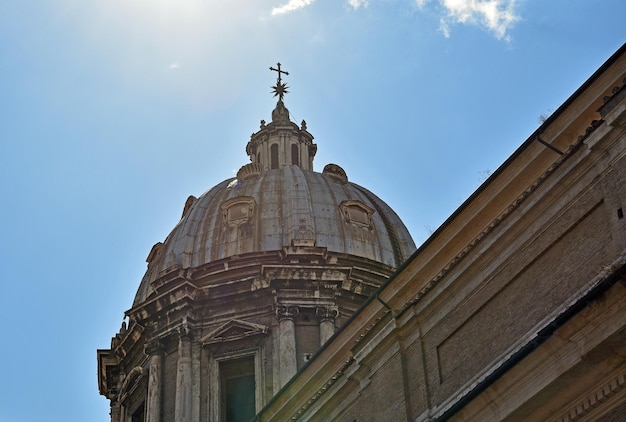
(295, 157)
(274, 156)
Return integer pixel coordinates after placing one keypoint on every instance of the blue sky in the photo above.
(112, 112)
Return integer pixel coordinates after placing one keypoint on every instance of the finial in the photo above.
(280, 89)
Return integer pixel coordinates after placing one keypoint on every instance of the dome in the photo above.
(256, 276)
(279, 208)
(277, 201)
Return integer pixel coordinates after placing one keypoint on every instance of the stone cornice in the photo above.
(596, 399)
(319, 393)
(179, 296)
(500, 218)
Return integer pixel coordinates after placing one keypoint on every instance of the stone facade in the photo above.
(513, 309)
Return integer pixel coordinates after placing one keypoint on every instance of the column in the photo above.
(183, 377)
(326, 316)
(287, 343)
(153, 403)
(116, 411)
(196, 351)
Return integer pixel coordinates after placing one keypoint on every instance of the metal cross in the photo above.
(279, 71)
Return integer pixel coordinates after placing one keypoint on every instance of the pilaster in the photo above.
(183, 376)
(154, 349)
(326, 316)
(287, 342)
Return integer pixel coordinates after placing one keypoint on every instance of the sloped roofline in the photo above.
(425, 245)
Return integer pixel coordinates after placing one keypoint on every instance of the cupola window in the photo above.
(295, 156)
(274, 156)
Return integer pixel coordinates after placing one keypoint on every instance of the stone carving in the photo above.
(238, 210)
(188, 204)
(153, 347)
(154, 252)
(357, 213)
(250, 171)
(287, 312)
(134, 375)
(335, 172)
(234, 330)
(594, 399)
(326, 313)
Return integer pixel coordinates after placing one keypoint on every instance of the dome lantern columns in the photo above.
(282, 143)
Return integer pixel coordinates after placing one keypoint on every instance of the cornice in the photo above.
(503, 216)
(320, 392)
(578, 411)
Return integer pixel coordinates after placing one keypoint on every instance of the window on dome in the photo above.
(295, 155)
(274, 156)
(237, 382)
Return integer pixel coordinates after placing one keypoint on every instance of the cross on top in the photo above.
(279, 71)
(280, 89)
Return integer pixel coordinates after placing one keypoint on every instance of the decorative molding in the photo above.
(329, 383)
(154, 252)
(134, 375)
(496, 222)
(614, 92)
(238, 210)
(185, 331)
(357, 213)
(250, 171)
(326, 313)
(234, 330)
(153, 347)
(188, 204)
(335, 172)
(286, 312)
(595, 400)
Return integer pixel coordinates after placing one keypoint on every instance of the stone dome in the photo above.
(278, 201)
(279, 208)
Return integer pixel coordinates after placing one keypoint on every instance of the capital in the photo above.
(286, 312)
(185, 331)
(326, 313)
(153, 347)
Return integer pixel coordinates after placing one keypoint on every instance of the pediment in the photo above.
(234, 330)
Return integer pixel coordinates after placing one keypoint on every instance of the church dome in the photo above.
(279, 208)
(278, 201)
(256, 276)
